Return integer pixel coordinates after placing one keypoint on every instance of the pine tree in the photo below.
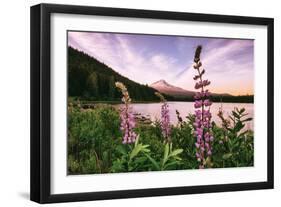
(111, 87)
(92, 86)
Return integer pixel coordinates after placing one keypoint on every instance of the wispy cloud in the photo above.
(146, 58)
(140, 64)
(228, 64)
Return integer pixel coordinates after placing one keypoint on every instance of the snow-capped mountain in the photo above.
(164, 87)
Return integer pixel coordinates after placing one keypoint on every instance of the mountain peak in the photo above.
(162, 81)
(164, 87)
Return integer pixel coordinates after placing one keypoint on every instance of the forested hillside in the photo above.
(92, 80)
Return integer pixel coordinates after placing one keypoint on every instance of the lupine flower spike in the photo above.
(202, 124)
(165, 118)
(127, 117)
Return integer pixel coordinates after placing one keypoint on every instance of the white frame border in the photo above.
(60, 183)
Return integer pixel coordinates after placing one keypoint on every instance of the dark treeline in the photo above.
(228, 99)
(91, 80)
(234, 99)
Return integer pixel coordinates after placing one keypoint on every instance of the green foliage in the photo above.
(234, 147)
(152, 135)
(182, 137)
(169, 161)
(92, 86)
(132, 158)
(92, 137)
(95, 144)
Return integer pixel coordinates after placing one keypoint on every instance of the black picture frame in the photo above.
(41, 96)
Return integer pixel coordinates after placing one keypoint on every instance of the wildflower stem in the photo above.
(202, 117)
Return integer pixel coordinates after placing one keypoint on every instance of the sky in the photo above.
(228, 63)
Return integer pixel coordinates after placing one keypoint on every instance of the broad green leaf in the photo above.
(135, 151)
(177, 158)
(176, 152)
(170, 164)
(154, 163)
(121, 149)
(226, 156)
(140, 160)
(137, 141)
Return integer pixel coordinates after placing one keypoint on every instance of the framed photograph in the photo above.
(133, 103)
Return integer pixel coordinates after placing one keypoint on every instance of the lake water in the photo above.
(153, 110)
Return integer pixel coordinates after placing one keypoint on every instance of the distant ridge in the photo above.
(164, 87)
(169, 89)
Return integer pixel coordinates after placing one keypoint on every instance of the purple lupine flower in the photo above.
(203, 116)
(128, 122)
(198, 104)
(165, 121)
(207, 102)
(165, 118)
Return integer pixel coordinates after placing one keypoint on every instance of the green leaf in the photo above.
(235, 115)
(171, 164)
(135, 151)
(248, 119)
(226, 156)
(154, 163)
(140, 160)
(166, 153)
(208, 162)
(139, 148)
(239, 126)
(145, 148)
(176, 152)
(117, 166)
(242, 110)
(121, 149)
(177, 158)
(137, 141)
